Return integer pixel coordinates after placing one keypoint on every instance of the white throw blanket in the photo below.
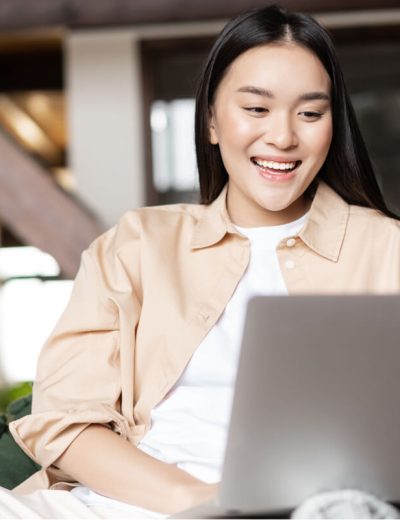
(345, 503)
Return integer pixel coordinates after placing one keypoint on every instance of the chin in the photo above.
(276, 206)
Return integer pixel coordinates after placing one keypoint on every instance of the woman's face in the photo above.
(271, 118)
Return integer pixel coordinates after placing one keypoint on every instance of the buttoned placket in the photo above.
(289, 262)
(289, 251)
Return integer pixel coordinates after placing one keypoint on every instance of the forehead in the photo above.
(279, 68)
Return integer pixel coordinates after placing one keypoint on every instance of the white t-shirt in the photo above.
(189, 427)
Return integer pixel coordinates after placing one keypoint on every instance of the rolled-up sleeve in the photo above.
(78, 380)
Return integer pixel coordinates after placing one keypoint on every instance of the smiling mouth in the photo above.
(278, 168)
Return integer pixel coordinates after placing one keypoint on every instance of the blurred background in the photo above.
(96, 117)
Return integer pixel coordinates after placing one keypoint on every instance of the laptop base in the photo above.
(213, 510)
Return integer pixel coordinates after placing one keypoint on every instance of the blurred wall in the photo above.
(105, 121)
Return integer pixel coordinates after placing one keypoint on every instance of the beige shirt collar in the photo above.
(323, 233)
(214, 224)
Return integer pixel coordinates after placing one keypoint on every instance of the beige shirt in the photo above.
(150, 289)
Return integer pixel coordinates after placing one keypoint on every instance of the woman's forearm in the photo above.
(103, 461)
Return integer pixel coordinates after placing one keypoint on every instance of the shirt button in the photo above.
(291, 242)
(289, 264)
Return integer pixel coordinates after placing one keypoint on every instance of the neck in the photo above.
(257, 216)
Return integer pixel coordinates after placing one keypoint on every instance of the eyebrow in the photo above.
(308, 96)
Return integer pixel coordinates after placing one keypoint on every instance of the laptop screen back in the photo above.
(316, 401)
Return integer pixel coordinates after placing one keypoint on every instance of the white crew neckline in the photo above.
(268, 237)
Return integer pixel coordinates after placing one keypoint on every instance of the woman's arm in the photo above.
(103, 461)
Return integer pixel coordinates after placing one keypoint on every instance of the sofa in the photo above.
(15, 465)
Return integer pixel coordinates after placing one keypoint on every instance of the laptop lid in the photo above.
(316, 401)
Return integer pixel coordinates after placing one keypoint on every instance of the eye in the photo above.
(257, 110)
(311, 116)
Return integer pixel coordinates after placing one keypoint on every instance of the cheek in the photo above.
(319, 139)
(233, 128)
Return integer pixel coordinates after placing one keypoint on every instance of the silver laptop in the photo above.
(316, 405)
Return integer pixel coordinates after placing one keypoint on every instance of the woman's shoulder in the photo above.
(169, 210)
(168, 217)
(371, 221)
(153, 222)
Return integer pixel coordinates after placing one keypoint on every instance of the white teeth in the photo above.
(275, 165)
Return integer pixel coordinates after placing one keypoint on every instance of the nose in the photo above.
(280, 132)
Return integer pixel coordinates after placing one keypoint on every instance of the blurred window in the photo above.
(170, 70)
(31, 301)
(174, 160)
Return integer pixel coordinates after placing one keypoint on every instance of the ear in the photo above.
(212, 133)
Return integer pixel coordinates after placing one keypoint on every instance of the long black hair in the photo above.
(347, 168)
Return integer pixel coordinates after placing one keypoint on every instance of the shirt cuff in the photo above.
(45, 436)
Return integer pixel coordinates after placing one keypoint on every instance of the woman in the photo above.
(133, 390)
